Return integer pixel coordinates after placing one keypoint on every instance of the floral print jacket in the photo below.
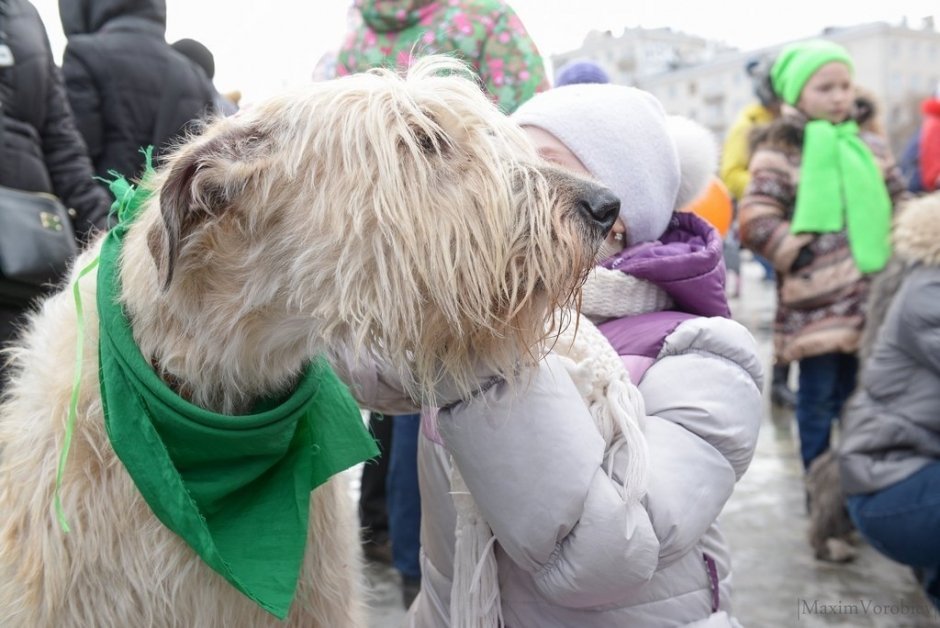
(487, 34)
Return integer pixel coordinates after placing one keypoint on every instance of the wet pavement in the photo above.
(777, 582)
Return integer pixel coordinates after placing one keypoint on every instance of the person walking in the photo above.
(128, 88)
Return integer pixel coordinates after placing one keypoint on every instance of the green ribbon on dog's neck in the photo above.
(236, 489)
(128, 200)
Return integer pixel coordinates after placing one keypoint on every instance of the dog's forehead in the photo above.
(351, 114)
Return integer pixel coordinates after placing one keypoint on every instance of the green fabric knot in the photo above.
(842, 187)
(130, 198)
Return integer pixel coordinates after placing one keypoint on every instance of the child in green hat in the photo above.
(819, 206)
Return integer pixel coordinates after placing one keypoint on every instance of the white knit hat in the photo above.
(625, 139)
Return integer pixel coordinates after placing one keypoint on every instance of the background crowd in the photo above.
(806, 182)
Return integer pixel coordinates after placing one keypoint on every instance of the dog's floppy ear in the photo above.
(202, 183)
(175, 206)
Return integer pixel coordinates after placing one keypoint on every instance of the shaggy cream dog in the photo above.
(403, 219)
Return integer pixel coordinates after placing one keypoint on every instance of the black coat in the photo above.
(128, 87)
(40, 148)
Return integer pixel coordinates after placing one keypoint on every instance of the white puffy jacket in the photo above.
(570, 550)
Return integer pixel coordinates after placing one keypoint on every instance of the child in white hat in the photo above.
(589, 497)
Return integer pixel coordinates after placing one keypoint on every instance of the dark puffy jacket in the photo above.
(40, 149)
(128, 87)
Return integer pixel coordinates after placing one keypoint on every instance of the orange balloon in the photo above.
(714, 206)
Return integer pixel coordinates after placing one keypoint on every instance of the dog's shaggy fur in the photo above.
(831, 533)
(402, 219)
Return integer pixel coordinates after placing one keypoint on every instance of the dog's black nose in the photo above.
(600, 206)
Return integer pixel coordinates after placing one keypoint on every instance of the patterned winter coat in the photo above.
(487, 34)
(821, 292)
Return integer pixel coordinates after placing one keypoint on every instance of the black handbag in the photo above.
(36, 238)
(36, 244)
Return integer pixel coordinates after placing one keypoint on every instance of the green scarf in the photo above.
(840, 182)
(235, 488)
(841, 187)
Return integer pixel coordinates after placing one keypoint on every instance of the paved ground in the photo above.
(777, 581)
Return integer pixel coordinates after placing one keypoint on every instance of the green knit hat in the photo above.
(797, 62)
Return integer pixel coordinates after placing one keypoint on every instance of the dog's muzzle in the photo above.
(599, 206)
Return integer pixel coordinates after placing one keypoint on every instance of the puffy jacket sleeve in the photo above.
(68, 164)
(708, 380)
(371, 382)
(533, 461)
(764, 210)
(919, 327)
(703, 398)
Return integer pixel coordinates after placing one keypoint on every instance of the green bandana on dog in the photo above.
(235, 488)
(841, 185)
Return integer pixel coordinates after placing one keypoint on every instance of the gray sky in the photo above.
(260, 47)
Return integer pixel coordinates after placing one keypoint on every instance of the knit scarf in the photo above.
(841, 187)
(235, 488)
(618, 411)
(610, 293)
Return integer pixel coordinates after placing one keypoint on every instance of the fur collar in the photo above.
(917, 231)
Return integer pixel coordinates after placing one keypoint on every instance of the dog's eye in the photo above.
(425, 142)
(431, 143)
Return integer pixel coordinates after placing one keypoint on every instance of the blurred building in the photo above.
(706, 81)
(642, 52)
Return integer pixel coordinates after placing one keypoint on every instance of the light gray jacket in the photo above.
(891, 425)
(570, 550)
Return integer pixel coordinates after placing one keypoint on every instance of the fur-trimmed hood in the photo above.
(916, 241)
(917, 231)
